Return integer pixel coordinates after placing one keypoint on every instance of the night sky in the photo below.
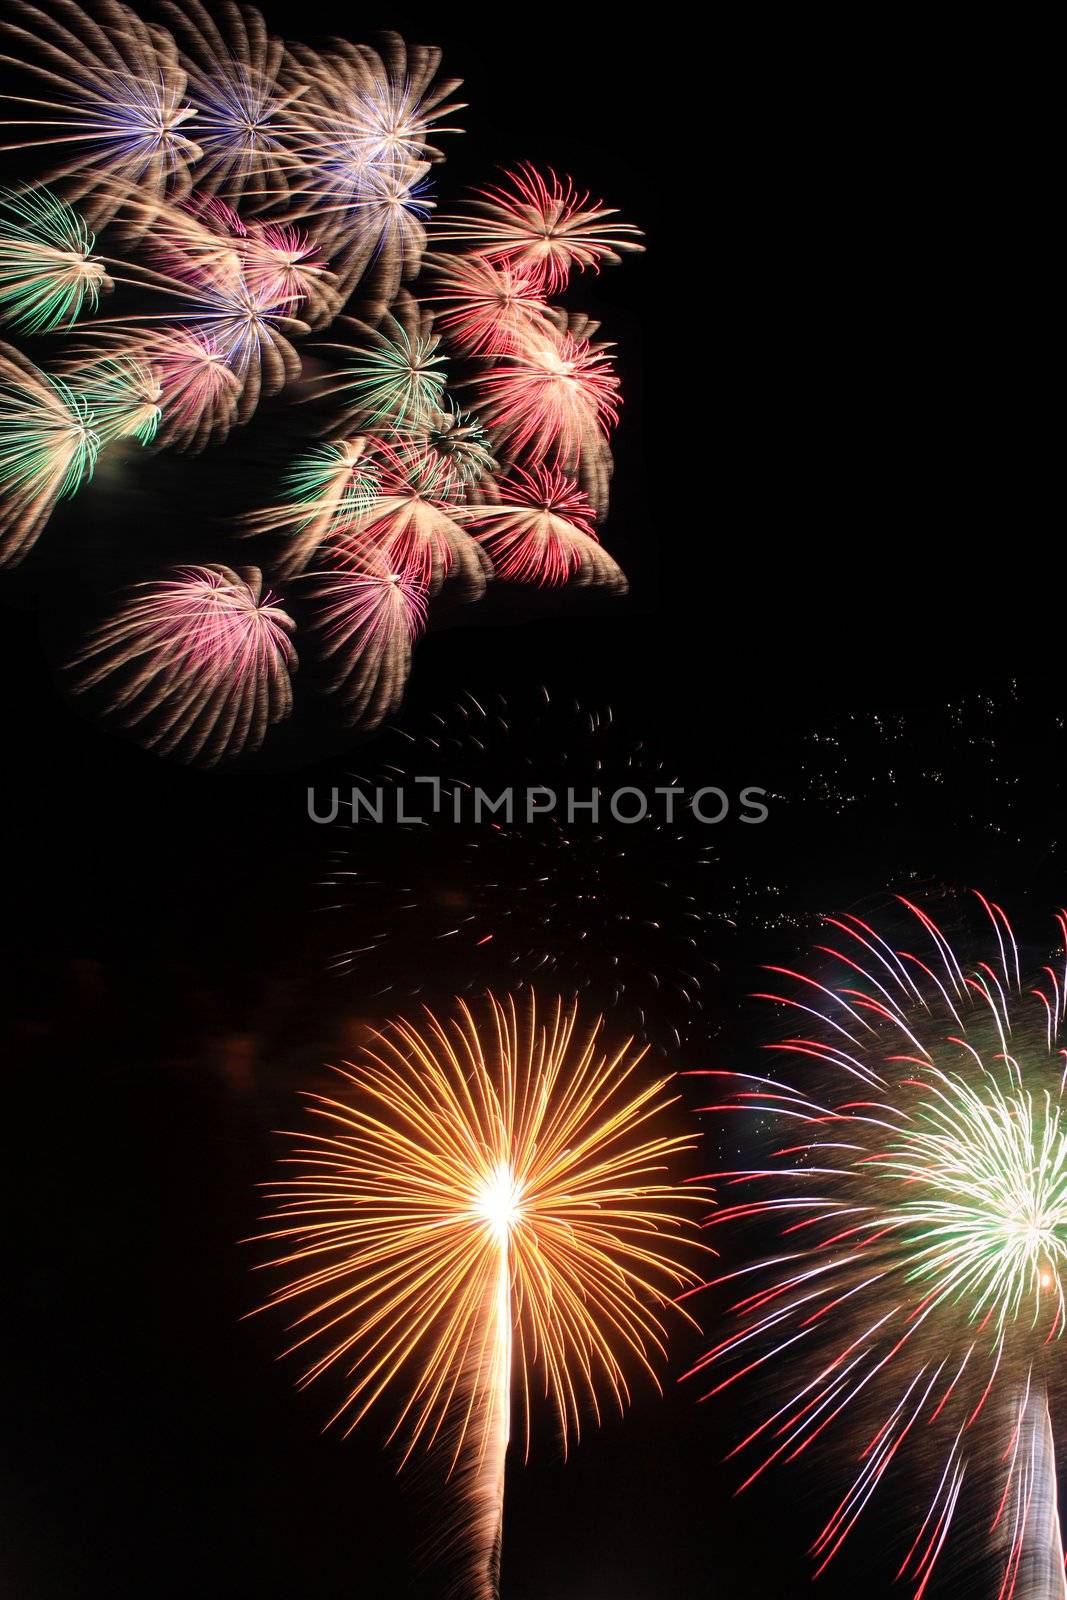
(823, 514)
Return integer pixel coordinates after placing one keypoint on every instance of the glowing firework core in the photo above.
(992, 1169)
(499, 1201)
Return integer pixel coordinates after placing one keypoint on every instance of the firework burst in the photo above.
(487, 309)
(487, 1212)
(245, 122)
(122, 393)
(326, 490)
(367, 121)
(199, 391)
(47, 270)
(540, 530)
(108, 91)
(413, 520)
(554, 400)
(543, 225)
(201, 660)
(461, 444)
(369, 615)
(48, 448)
(918, 1188)
(394, 380)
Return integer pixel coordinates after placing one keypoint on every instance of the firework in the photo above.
(223, 340)
(540, 530)
(251, 191)
(244, 328)
(195, 243)
(47, 271)
(48, 448)
(394, 381)
(368, 619)
(555, 398)
(283, 265)
(327, 489)
(122, 394)
(109, 92)
(542, 224)
(487, 309)
(245, 123)
(412, 520)
(245, 322)
(461, 444)
(367, 118)
(204, 243)
(919, 1188)
(199, 663)
(487, 1211)
(199, 392)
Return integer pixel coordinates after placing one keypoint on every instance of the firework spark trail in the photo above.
(488, 1209)
(919, 1177)
(1026, 1527)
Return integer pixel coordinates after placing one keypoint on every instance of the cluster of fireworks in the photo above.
(493, 1207)
(248, 194)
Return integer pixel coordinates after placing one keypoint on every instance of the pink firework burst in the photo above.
(412, 520)
(199, 391)
(489, 308)
(541, 531)
(556, 396)
(541, 223)
(371, 614)
(283, 266)
(197, 242)
(199, 663)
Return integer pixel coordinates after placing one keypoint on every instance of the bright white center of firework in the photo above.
(499, 1200)
(1034, 1231)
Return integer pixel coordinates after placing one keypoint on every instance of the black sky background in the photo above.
(825, 510)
